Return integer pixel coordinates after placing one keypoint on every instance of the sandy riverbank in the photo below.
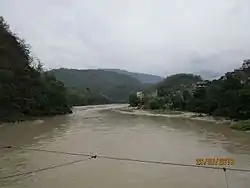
(171, 114)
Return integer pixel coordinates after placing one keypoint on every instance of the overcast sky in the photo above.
(153, 36)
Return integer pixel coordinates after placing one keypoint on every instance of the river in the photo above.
(97, 130)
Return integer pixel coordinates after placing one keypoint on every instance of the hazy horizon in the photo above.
(147, 36)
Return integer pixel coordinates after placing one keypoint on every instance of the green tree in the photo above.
(156, 103)
(25, 90)
(228, 96)
(134, 100)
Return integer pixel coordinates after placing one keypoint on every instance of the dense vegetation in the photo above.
(228, 96)
(25, 89)
(81, 97)
(107, 85)
(243, 125)
(160, 95)
(177, 82)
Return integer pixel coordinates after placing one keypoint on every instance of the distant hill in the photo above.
(142, 77)
(208, 75)
(177, 82)
(116, 87)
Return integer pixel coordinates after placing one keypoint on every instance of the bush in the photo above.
(242, 125)
(221, 112)
(25, 89)
(134, 100)
(156, 103)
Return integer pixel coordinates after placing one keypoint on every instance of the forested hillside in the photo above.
(84, 96)
(228, 96)
(177, 82)
(113, 86)
(25, 89)
(160, 95)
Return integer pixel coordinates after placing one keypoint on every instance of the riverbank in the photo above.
(18, 118)
(172, 114)
(239, 125)
(243, 125)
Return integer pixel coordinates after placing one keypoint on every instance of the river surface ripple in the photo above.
(97, 130)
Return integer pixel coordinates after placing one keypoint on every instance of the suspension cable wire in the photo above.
(92, 117)
(44, 169)
(225, 172)
(126, 159)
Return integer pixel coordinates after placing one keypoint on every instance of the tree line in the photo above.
(25, 88)
(85, 96)
(98, 85)
(228, 96)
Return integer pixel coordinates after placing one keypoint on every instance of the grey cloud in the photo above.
(154, 36)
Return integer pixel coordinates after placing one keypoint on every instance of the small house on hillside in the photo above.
(201, 84)
(140, 95)
(154, 94)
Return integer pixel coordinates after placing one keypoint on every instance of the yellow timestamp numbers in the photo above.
(215, 161)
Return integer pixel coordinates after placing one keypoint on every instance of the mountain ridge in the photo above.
(114, 85)
(142, 77)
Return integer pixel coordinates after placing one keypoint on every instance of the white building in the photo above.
(140, 94)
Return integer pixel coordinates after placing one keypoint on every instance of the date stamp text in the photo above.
(215, 161)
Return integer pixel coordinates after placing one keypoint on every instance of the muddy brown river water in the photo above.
(97, 130)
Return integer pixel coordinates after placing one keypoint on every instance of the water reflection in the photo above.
(31, 132)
